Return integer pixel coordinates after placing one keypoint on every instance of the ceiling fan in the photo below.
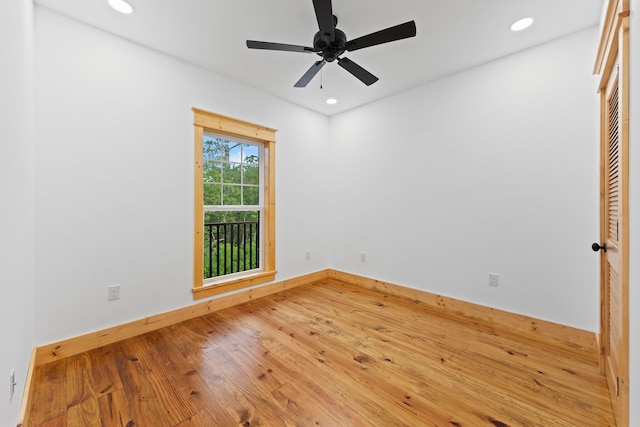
(330, 43)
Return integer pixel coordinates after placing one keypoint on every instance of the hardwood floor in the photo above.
(328, 354)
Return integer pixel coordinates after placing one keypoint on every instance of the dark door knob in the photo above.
(596, 247)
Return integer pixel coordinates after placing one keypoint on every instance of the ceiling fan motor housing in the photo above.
(330, 51)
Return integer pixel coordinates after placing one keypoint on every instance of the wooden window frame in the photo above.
(205, 121)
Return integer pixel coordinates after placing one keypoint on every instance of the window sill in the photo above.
(223, 286)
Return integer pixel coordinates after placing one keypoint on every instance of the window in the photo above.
(234, 204)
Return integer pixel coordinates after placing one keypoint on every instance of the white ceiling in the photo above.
(452, 35)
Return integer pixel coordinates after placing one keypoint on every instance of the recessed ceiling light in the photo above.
(121, 6)
(332, 101)
(521, 24)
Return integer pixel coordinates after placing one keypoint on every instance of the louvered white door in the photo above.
(614, 287)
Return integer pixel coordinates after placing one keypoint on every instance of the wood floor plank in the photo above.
(184, 368)
(114, 410)
(241, 398)
(60, 421)
(82, 405)
(139, 385)
(327, 354)
(159, 366)
(49, 393)
(206, 419)
(106, 378)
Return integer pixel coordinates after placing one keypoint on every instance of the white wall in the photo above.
(494, 169)
(634, 209)
(16, 200)
(115, 170)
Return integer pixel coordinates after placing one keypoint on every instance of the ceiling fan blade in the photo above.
(252, 44)
(399, 32)
(324, 15)
(363, 75)
(310, 74)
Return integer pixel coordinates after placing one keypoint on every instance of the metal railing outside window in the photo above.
(231, 247)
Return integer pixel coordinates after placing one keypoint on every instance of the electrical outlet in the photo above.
(493, 279)
(363, 257)
(307, 255)
(113, 292)
(12, 384)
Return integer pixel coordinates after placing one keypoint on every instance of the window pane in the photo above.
(235, 152)
(212, 194)
(251, 195)
(231, 195)
(213, 148)
(231, 173)
(212, 171)
(251, 174)
(250, 154)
